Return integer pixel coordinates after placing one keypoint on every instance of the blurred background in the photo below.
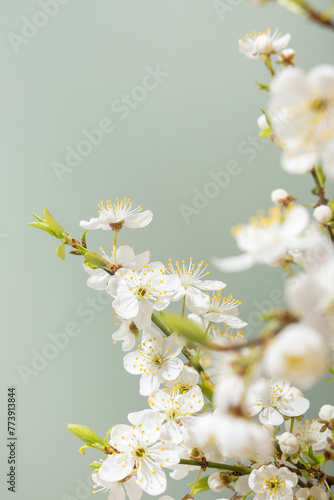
(175, 104)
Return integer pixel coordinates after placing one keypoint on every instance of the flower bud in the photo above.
(288, 443)
(287, 56)
(262, 122)
(263, 44)
(278, 196)
(326, 412)
(216, 483)
(322, 214)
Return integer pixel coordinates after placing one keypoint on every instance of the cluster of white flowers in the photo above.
(212, 395)
(174, 430)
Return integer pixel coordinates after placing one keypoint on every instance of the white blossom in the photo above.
(309, 433)
(298, 353)
(234, 437)
(118, 490)
(125, 257)
(308, 102)
(273, 399)
(267, 240)
(313, 493)
(263, 43)
(137, 294)
(191, 283)
(127, 332)
(220, 309)
(155, 360)
(113, 216)
(175, 412)
(138, 447)
(270, 482)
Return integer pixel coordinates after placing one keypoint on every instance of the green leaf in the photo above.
(43, 227)
(107, 436)
(186, 328)
(38, 217)
(85, 434)
(320, 174)
(305, 473)
(263, 86)
(201, 485)
(314, 191)
(53, 224)
(266, 132)
(61, 251)
(83, 238)
(95, 259)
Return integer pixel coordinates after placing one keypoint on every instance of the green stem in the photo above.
(195, 482)
(270, 66)
(245, 496)
(183, 306)
(329, 490)
(207, 328)
(215, 465)
(195, 364)
(291, 424)
(114, 248)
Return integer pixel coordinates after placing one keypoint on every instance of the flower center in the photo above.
(140, 452)
(318, 104)
(158, 359)
(141, 292)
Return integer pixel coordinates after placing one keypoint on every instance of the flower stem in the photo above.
(270, 66)
(183, 306)
(195, 482)
(291, 424)
(207, 328)
(215, 465)
(114, 248)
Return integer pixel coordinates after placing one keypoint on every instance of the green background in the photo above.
(200, 117)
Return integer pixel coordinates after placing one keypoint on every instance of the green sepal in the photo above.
(185, 328)
(201, 485)
(43, 227)
(266, 132)
(320, 174)
(314, 191)
(85, 434)
(95, 465)
(60, 250)
(53, 224)
(263, 86)
(305, 472)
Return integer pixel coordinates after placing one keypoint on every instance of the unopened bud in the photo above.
(322, 214)
(215, 482)
(278, 196)
(288, 443)
(287, 57)
(326, 412)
